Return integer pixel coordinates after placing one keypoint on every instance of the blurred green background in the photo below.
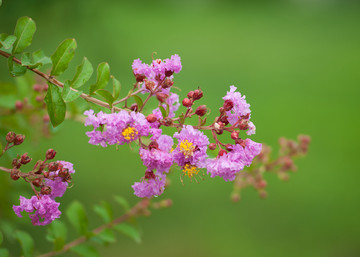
(298, 64)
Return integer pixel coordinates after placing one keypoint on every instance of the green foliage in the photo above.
(129, 231)
(138, 101)
(57, 233)
(24, 32)
(85, 250)
(35, 59)
(4, 252)
(15, 69)
(55, 105)
(62, 56)
(26, 242)
(68, 94)
(104, 211)
(163, 111)
(77, 217)
(1, 235)
(106, 95)
(102, 79)
(83, 74)
(123, 202)
(105, 237)
(116, 87)
(7, 41)
(1, 153)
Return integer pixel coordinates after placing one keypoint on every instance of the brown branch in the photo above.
(138, 209)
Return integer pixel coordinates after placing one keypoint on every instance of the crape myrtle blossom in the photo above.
(229, 164)
(118, 128)
(57, 184)
(153, 184)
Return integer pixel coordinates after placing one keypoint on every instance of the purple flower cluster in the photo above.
(57, 184)
(116, 128)
(153, 186)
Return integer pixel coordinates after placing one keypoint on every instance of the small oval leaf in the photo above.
(83, 74)
(129, 231)
(106, 95)
(77, 216)
(24, 32)
(138, 101)
(26, 242)
(62, 56)
(68, 94)
(15, 69)
(102, 79)
(56, 106)
(6, 40)
(116, 87)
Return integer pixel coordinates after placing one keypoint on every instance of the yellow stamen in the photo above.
(187, 148)
(190, 170)
(129, 133)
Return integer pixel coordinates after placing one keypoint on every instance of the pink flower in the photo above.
(153, 186)
(240, 108)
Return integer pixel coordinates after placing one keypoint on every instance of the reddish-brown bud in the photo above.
(15, 163)
(168, 73)
(149, 85)
(45, 190)
(19, 139)
(46, 174)
(36, 182)
(151, 118)
(241, 142)
(229, 147)
(224, 119)
(50, 154)
(10, 137)
(243, 125)
(261, 184)
(134, 107)
(222, 152)
(167, 83)
(140, 77)
(25, 159)
(161, 97)
(235, 134)
(19, 105)
(190, 94)
(167, 122)
(14, 175)
(46, 118)
(53, 166)
(153, 145)
(201, 110)
(228, 105)
(186, 102)
(212, 146)
(198, 94)
(64, 173)
(37, 87)
(149, 175)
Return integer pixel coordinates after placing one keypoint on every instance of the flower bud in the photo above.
(263, 194)
(243, 125)
(201, 110)
(228, 105)
(149, 85)
(167, 122)
(14, 175)
(241, 142)
(37, 87)
(19, 105)
(224, 119)
(36, 182)
(222, 152)
(46, 118)
(19, 139)
(229, 147)
(50, 154)
(186, 102)
(198, 94)
(168, 73)
(10, 137)
(190, 94)
(212, 146)
(134, 107)
(46, 174)
(45, 88)
(235, 134)
(151, 118)
(149, 175)
(45, 190)
(161, 97)
(167, 83)
(64, 173)
(153, 145)
(262, 183)
(15, 163)
(25, 159)
(53, 166)
(140, 77)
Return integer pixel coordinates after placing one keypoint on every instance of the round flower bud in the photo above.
(198, 94)
(153, 145)
(45, 190)
(39, 98)
(243, 125)
(19, 139)
(161, 97)
(229, 147)
(36, 182)
(19, 105)
(14, 175)
(228, 105)
(151, 118)
(201, 110)
(10, 137)
(212, 146)
(46, 118)
(37, 87)
(241, 142)
(134, 107)
(149, 85)
(261, 184)
(190, 94)
(168, 73)
(15, 163)
(224, 119)
(53, 166)
(25, 159)
(235, 134)
(149, 175)
(50, 154)
(186, 102)
(167, 83)
(222, 152)
(140, 77)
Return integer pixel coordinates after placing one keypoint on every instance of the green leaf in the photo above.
(116, 87)
(106, 95)
(68, 94)
(15, 69)
(163, 112)
(62, 56)
(57, 233)
(102, 79)
(83, 74)
(129, 231)
(6, 40)
(1, 235)
(26, 242)
(104, 211)
(0, 2)
(24, 32)
(35, 59)
(138, 101)
(77, 216)
(122, 201)
(106, 236)
(1, 153)
(85, 251)
(56, 106)
(4, 252)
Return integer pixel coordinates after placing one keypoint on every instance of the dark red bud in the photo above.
(37, 87)
(19, 139)
(46, 174)
(167, 83)
(50, 154)
(241, 142)
(198, 94)
(161, 97)
(134, 107)
(222, 152)
(15, 163)
(53, 166)
(186, 102)
(14, 175)
(261, 184)
(25, 159)
(168, 122)
(212, 146)
(45, 190)
(221, 109)
(235, 134)
(201, 110)
(243, 125)
(64, 173)
(140, 77)
(229, 147)
(149, 85)
(149, 175)
(19, 105)
(228, 105)
(224, 119)
(10, 137)
(151, 118)
(168, 73)
(153, 145)
(36, 182)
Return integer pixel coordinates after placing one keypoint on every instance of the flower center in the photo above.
(129, 133)
(187, 148)
(190, 170)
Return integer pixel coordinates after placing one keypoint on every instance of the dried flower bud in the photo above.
(153, 145)
(186, 102)
(134, 107)
(222, 152)
(36, 182)
(167, 83)
(53, 166)
(161, 97)
(15, 163)
(10, 137)
(235, 134)
(149, 175)
(64, 173)
(151, 118)
(212, 146)
(46, 174)
(228, 105)
(201, 110)
(45, 190)
(167, 122)
(19, 139)
(198, 94)
(140, 77)
(14, 175)
(50, 154)
(19, 105)
(25, 159)
(190, 94)
(243, 125)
